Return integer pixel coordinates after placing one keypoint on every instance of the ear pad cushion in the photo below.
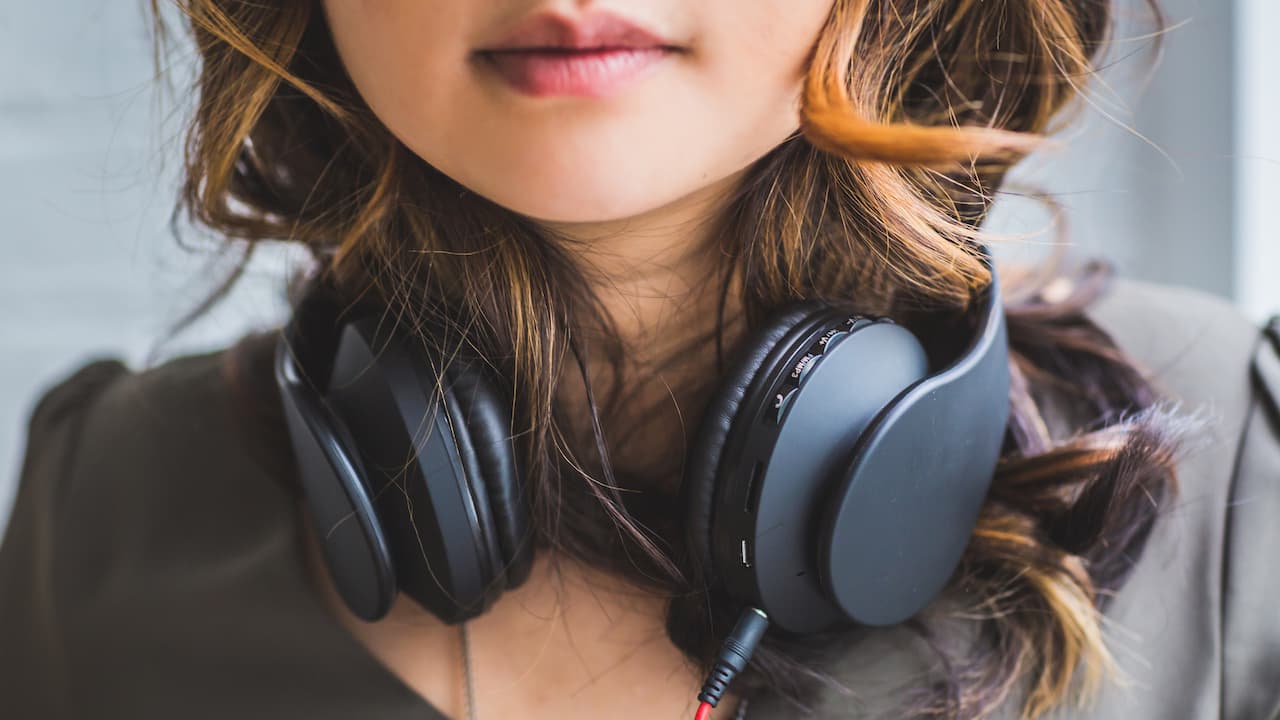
(386, 388)
(698, 490)
(480, 415)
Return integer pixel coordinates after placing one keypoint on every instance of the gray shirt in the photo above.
(153, 568)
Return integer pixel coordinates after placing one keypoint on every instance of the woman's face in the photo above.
(675, 96)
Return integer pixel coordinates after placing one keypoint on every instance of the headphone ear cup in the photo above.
(493, 471)
(698, 491)
(349, 532)
(431, 472)
(917, 490)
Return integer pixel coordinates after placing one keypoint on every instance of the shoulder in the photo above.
(56, 423)
(161, 473)
(112, 456)
(1197, 350)
(164, 418)
(133, 469)
(168, 538)
(1192, 344)
(116, 410)
(1191, 624)
(135, 425)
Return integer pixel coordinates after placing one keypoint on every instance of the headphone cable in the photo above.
(735, 652)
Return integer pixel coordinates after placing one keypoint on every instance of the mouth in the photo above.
(593, 55)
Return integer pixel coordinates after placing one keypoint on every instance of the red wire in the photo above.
(704, 712)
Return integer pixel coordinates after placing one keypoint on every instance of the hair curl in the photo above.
(912, 112)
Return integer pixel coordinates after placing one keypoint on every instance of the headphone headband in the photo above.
(834, 476)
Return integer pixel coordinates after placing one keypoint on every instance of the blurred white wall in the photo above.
(1258, 155)
(88, 155)
(1147, 177)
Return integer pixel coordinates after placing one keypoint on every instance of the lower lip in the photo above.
(589, 73)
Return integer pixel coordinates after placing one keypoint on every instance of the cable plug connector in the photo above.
(734, 655)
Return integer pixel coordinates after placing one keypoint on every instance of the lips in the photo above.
(593, 55)
(596, 30)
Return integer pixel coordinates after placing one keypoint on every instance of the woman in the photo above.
(602, 202)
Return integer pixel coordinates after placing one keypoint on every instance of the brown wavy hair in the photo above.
(912, 112)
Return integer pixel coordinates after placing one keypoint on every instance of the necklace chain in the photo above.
(467, 676)
(469, 683)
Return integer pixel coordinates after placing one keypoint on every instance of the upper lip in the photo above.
(599, 29)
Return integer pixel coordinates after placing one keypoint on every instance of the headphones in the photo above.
(834, 478)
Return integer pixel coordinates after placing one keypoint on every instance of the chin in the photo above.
(565, 208)
(574, 197)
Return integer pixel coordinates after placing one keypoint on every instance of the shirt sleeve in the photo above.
(33, 681)
(1251, 581)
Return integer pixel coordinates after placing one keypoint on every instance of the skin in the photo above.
(635, 176)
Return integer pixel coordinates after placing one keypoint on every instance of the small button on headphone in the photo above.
(834, 478)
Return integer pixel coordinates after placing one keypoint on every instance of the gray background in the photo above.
(89, 148)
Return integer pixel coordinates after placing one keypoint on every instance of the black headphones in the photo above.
(834, 476)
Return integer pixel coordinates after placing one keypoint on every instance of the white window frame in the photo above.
(1257, 158)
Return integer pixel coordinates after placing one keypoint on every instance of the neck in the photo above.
(658, 278)
(572, 640)
(654, 274)
(570, 643)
